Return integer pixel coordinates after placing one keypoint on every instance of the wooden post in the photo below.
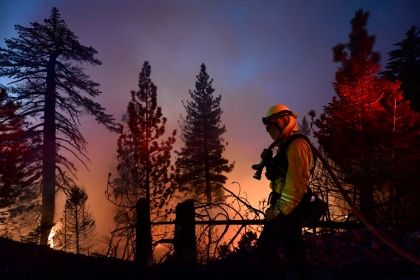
(142, 234)
(184, 236)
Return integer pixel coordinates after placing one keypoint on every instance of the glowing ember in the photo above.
(50, 238)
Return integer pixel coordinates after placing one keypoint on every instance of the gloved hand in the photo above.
(267, 155)
(271, 169)
(272, 212)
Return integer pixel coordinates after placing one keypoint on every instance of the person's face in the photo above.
(271, 126)
(275, 126)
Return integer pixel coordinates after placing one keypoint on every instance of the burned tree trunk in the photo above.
(184, 239)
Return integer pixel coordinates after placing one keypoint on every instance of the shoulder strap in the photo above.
(284, 163)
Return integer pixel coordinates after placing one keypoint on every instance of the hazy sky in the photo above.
(259, 53)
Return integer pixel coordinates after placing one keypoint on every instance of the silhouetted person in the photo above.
(289, 172)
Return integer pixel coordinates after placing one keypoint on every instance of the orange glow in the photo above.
(50, 238)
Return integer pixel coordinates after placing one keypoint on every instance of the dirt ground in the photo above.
(350, 255)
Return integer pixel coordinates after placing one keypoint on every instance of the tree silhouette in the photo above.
(144, 159)
(399, 131)
(404, 65)
(15, 177)
(347, 126)
(304, 127)
(200, 163)
(18, 193)
(44, 65)
(78, 226)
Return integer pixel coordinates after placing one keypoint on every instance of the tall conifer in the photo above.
(347, 128)
(399, 134)
(200, 162)
(44, 66)
(144, 159)
(404, 65)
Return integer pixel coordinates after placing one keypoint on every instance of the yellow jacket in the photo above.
(299, 156)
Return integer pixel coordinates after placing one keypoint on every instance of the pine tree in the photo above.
(15, 177)
(399, 133)
(304, 127)
(200, 163)
(77, 231)
(44, 65)
(144, 159)
(404, 65)
(347, 128)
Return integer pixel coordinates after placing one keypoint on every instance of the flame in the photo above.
(50, 238)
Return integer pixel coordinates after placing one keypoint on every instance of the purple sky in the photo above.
(259, 53)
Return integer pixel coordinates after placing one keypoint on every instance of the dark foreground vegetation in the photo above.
(351, 255)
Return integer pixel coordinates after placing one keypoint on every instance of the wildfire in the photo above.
(50, 238)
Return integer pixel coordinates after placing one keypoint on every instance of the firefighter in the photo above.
(289, 172)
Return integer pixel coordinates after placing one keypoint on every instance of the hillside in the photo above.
(352, 255)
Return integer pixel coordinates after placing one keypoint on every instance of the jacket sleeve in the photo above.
(300, 160)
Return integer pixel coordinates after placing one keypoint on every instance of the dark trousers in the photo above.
(284, 231)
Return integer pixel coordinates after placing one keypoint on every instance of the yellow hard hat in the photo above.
(279, 110)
